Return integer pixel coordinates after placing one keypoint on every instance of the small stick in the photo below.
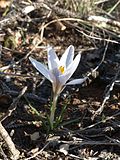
(14, 104)
(37, 153)
(31, 96)
(3, 154)
(109, 88)
(4, 134)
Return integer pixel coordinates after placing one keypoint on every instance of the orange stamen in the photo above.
(61, 69)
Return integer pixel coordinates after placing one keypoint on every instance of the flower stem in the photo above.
(53, 109)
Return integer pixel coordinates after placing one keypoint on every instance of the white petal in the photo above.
(53, 61)
(77, 81)
(42, 69)
(28, 9)
(70, 70)
(67, 57)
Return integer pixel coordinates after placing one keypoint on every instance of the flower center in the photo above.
(62, 69)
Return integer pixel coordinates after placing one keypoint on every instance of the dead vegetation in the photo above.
(91, 126)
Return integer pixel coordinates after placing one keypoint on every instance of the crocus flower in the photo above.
(60, 71)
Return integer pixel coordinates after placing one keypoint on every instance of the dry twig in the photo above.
(14, 104)
(109, 88)
(3, 133)
(13, 151)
